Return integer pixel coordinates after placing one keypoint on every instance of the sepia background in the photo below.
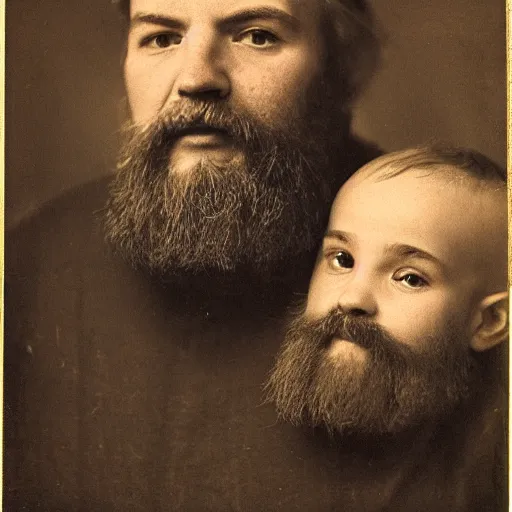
(442, 77)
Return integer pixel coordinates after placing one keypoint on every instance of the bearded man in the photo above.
(135, 367)
(224, 167)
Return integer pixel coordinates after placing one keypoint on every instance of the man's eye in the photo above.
(258, 38)
(341, 260)
(163, 40)
(412, 280)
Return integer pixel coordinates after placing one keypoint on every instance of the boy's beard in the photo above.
(395, 388)
(252, 214)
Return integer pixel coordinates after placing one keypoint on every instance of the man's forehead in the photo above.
(301, 8)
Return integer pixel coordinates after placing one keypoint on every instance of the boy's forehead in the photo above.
(370, 192)
(450, 218)
(417, 188)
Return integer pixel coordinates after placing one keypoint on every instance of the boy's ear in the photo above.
(492, 326)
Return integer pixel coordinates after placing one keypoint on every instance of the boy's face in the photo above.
(409, 253)
(395, 304)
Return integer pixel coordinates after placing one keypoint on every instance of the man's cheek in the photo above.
(272, 98)
(147, 89)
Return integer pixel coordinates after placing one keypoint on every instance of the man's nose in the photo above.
(358, 298)
(202, 73)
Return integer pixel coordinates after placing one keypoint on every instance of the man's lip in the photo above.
(347, 339)
(203, 137)
(202, 130)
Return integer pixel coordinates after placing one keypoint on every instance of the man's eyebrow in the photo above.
(260, 13)
(141, 18)
(237, 18)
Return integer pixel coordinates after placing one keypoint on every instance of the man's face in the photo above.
(258, 56)
(383, 342)
(236, 145)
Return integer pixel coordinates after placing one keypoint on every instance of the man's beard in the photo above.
(395, 388)
(253, 214)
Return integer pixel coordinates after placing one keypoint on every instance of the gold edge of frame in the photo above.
(2, 226)
(2, 208)
(509, 191)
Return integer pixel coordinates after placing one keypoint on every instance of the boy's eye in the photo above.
(341, 260)
(412, 280)
(163, 40)
(258, 38)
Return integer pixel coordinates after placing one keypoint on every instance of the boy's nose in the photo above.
(358, 298)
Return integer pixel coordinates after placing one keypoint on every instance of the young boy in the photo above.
(397, 339)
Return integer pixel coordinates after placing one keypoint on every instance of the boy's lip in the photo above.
(338, 339)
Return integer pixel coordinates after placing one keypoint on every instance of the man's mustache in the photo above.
(186, 116)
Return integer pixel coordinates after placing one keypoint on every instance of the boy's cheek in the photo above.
(411, 320)
(319, 304)
(323, 295)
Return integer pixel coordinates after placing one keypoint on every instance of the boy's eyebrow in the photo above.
(236, 18)
(396, 249)
(410, 251)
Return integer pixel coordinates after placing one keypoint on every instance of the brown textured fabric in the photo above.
(123, 396)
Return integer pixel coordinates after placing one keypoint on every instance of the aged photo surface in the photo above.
(189, 325)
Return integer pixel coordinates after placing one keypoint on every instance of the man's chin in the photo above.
(342, 351)
(208, 191)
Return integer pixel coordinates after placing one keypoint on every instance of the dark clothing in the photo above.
(122, 395)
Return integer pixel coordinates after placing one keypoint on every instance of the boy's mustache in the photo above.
(356, 329)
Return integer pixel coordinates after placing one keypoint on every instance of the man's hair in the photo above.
(353, 47)
(441, 159)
